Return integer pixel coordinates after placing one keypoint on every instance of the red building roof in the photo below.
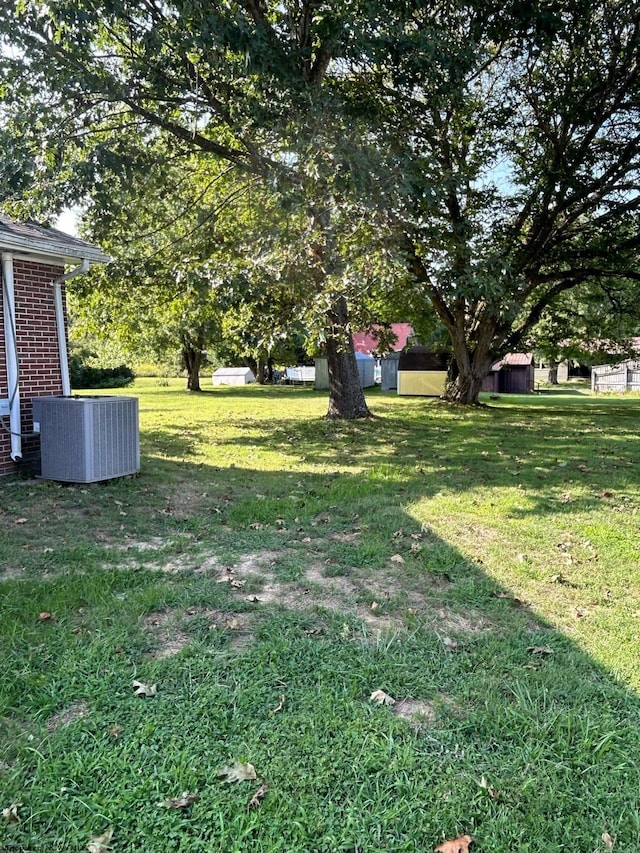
(514, 359)
(365, 342)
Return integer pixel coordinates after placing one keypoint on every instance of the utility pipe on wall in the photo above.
(60, 326)
(11, 355)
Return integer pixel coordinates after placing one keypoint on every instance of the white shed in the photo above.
(233, 376)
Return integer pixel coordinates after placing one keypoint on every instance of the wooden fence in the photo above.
(616, 377)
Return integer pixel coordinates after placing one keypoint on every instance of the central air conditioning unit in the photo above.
(87, 439)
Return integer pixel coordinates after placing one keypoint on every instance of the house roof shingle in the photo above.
(32, 239)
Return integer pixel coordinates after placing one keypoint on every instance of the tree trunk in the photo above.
(192, 359)
(260, 370)
(471, 366)
(466, 387)
(346, 397)
(553, 372)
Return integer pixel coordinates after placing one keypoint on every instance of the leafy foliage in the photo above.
(85, 376)
(491, 149)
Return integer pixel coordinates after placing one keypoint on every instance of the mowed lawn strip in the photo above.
(269, 570)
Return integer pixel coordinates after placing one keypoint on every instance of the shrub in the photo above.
(83, 376)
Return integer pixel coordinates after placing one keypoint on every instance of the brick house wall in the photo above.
(37, 342)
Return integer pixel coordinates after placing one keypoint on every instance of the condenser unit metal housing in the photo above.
(87, 439)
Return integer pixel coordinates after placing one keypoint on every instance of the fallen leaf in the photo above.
(491, 791)
(374, 605)
(21, 520)
(258, 797)
(10, 814)
(181, 802)
(100, 843)
(455, 845)
(144, 690)
(540, 650)
(238, 772)
(607, 840)
(449, 644)
(116, 731)
(232, 624)
(45, 616)
(382, 698)
(397, 558)
(280, 704)
(517, 602)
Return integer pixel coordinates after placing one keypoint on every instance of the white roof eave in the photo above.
(51, 250)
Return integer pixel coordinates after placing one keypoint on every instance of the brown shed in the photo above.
(513, 374)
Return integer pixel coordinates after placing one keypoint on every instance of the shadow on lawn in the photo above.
(531, 745)
(557, 466)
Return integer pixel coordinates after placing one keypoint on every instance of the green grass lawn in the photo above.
(269, 570)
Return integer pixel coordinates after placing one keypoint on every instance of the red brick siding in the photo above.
(38, 359)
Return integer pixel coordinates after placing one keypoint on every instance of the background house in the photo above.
(35, 263)
(369, 343)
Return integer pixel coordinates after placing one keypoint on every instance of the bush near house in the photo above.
(84, 376)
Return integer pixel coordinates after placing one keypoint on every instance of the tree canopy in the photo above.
(491, 149)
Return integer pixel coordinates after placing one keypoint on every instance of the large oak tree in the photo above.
(254, 83)
(521, 161)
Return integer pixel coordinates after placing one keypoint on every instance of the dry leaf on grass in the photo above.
(238, 772)
(181, 802)
(382, 698)
(116, 731)
(607, 840)
(45, 616)
(100, 843)
(455, 845)
(449, 644)
(397, 558)
(144, 690)
(258, 797)
(280, 704)
(491, 791)
(10, 814)
(540, 650)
